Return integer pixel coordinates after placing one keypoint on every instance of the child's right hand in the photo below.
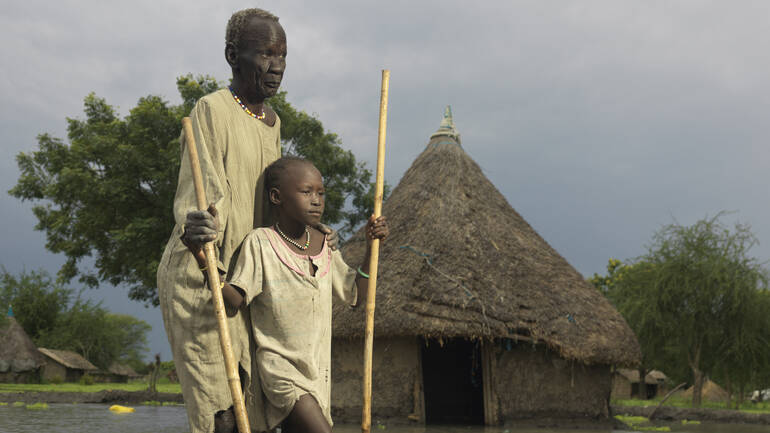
(376, 229)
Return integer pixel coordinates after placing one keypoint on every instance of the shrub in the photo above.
(86, 379)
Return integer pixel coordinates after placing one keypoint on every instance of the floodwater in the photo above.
(77, 418)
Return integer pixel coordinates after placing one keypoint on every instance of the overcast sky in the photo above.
(599, 121)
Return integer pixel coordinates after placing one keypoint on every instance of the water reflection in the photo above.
(77, 418)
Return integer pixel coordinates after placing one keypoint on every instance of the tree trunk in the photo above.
(642, 391)
(729, 389)
(697, 387)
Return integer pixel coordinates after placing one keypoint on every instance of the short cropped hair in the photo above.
(239, 19)
(275, 171)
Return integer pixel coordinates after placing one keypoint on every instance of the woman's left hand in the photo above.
(332, 237)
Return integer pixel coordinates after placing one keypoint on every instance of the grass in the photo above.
(173, 388)
(632, 420)
(157, 403)
(747, 406)
(637, 423)
(37, 406)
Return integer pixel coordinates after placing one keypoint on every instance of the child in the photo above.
(287, 274)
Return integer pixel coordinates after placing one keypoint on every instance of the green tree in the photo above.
(346, 180)
(694, 299)
(606, 283)
(108, 194)
(622, 285)
(37, 301)
(746, 349)
(100, 336)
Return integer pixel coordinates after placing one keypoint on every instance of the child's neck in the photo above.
(291, 228)
(296, 231)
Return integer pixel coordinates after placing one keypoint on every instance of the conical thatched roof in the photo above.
(710, 392)
(122, 370)
(632, 375)
(68, 359)
(17, 351)
(461, 262)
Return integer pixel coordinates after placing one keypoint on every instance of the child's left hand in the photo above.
(377, 228)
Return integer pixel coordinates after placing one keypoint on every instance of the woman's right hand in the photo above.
(200, 227)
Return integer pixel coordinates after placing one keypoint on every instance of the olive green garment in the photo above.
(233, 149)
(291, 315)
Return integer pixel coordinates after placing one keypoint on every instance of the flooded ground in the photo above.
(77, 418)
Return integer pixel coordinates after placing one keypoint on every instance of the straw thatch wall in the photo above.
(19, 358)
(533, 382)
(395, 370)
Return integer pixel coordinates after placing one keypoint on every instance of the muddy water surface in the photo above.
(78, 418)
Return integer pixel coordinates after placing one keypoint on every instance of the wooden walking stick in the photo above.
(366, 423)
(231, 366)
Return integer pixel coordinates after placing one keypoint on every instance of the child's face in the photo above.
(301, 194)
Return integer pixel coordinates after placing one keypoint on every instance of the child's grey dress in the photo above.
(291, 317)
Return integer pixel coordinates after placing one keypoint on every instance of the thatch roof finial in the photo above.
(447, 127)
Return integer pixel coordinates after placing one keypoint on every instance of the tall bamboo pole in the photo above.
(366, 422)
(231, 366)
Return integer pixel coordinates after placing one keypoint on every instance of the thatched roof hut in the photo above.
(462, 264)
(65, 365)
(711, 392)
(625, 383)
(116, 373)
(19, 359)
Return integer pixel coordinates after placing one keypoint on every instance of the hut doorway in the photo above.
(453, 382)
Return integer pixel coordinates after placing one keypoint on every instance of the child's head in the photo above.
(295, 189)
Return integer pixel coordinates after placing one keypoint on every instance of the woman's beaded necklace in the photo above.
(292, 241)
(245, 108)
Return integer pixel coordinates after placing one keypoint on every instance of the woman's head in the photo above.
(295, 189)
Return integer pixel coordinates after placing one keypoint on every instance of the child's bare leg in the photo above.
(224, 421)
(306, 417)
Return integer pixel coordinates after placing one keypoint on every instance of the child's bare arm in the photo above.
(232, 295)
(375, 229)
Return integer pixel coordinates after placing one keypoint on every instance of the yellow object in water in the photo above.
(121, 409)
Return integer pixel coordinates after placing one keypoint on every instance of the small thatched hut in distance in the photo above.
(65, 365)
(625, 383)
(20, 361)
(116, 373)
(711, 392)
(478, 319)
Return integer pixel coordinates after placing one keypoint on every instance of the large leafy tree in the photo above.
(108, 193)
(697, 302)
